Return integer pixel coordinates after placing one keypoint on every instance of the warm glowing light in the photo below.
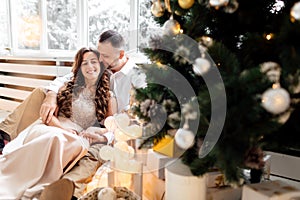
(276, 85)
(30, 31)
(269, 36)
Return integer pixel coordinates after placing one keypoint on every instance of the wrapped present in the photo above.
(215, 179)
(270, 190)
(283, 165)
(156, 163)
(167, 146)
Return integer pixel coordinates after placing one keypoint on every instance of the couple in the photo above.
(82, 102)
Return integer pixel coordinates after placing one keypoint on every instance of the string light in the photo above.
(269, 36)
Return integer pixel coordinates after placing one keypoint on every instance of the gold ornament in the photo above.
(157, 9)
(186, 4)
(168, 6)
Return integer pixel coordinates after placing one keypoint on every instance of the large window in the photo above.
(57, 28)
(4, 33)
(108, 14)
(61, 25)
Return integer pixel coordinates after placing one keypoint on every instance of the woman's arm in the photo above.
(49, 104)
(56, 123)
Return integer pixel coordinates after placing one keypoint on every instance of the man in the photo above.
(111, 46)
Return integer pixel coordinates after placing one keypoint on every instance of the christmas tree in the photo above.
(223, 81)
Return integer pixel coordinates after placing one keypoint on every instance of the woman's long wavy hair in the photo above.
(76, 85)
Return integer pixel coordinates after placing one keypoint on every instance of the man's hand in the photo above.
(48, 107)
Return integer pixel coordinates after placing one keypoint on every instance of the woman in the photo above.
(42, 153)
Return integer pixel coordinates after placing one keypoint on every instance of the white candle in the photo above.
(182, 184)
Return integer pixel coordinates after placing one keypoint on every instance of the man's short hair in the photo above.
(115, 38)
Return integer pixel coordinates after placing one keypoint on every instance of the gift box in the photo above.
(167, 146)
(156, 163)
(214, 179)
(270, 190)
(224, 193)
(283, 165)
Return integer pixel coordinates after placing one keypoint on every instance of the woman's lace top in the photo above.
(84, 110)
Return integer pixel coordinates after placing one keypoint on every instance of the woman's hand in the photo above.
(93, 137)
(97, 130)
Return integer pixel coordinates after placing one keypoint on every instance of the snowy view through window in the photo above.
(55, 26)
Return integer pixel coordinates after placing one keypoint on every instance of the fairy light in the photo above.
(269, 36)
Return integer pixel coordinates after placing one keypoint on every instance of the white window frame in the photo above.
(82, 29)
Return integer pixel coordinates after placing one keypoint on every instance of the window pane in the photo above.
(28, 24)
(4, 33)
(107, 14)
(147, 25)
(62, 24)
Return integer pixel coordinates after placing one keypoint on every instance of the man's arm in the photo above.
(48, 107)
(50, 103)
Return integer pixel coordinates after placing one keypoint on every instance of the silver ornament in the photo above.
(171, 27)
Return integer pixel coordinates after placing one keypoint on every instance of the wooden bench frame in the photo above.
(18, 77)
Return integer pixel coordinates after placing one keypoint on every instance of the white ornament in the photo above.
(122, 120)
(201, 66)
(106, 153)
(231, 7)
(184, 138)
(276, 100)
(133, 131)
(110, 123)
(123, 151)
(182, 54)
(217, 3)
(206, 41)
(107, 193)
(295, 11)
(272, 70)
(121, 136)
